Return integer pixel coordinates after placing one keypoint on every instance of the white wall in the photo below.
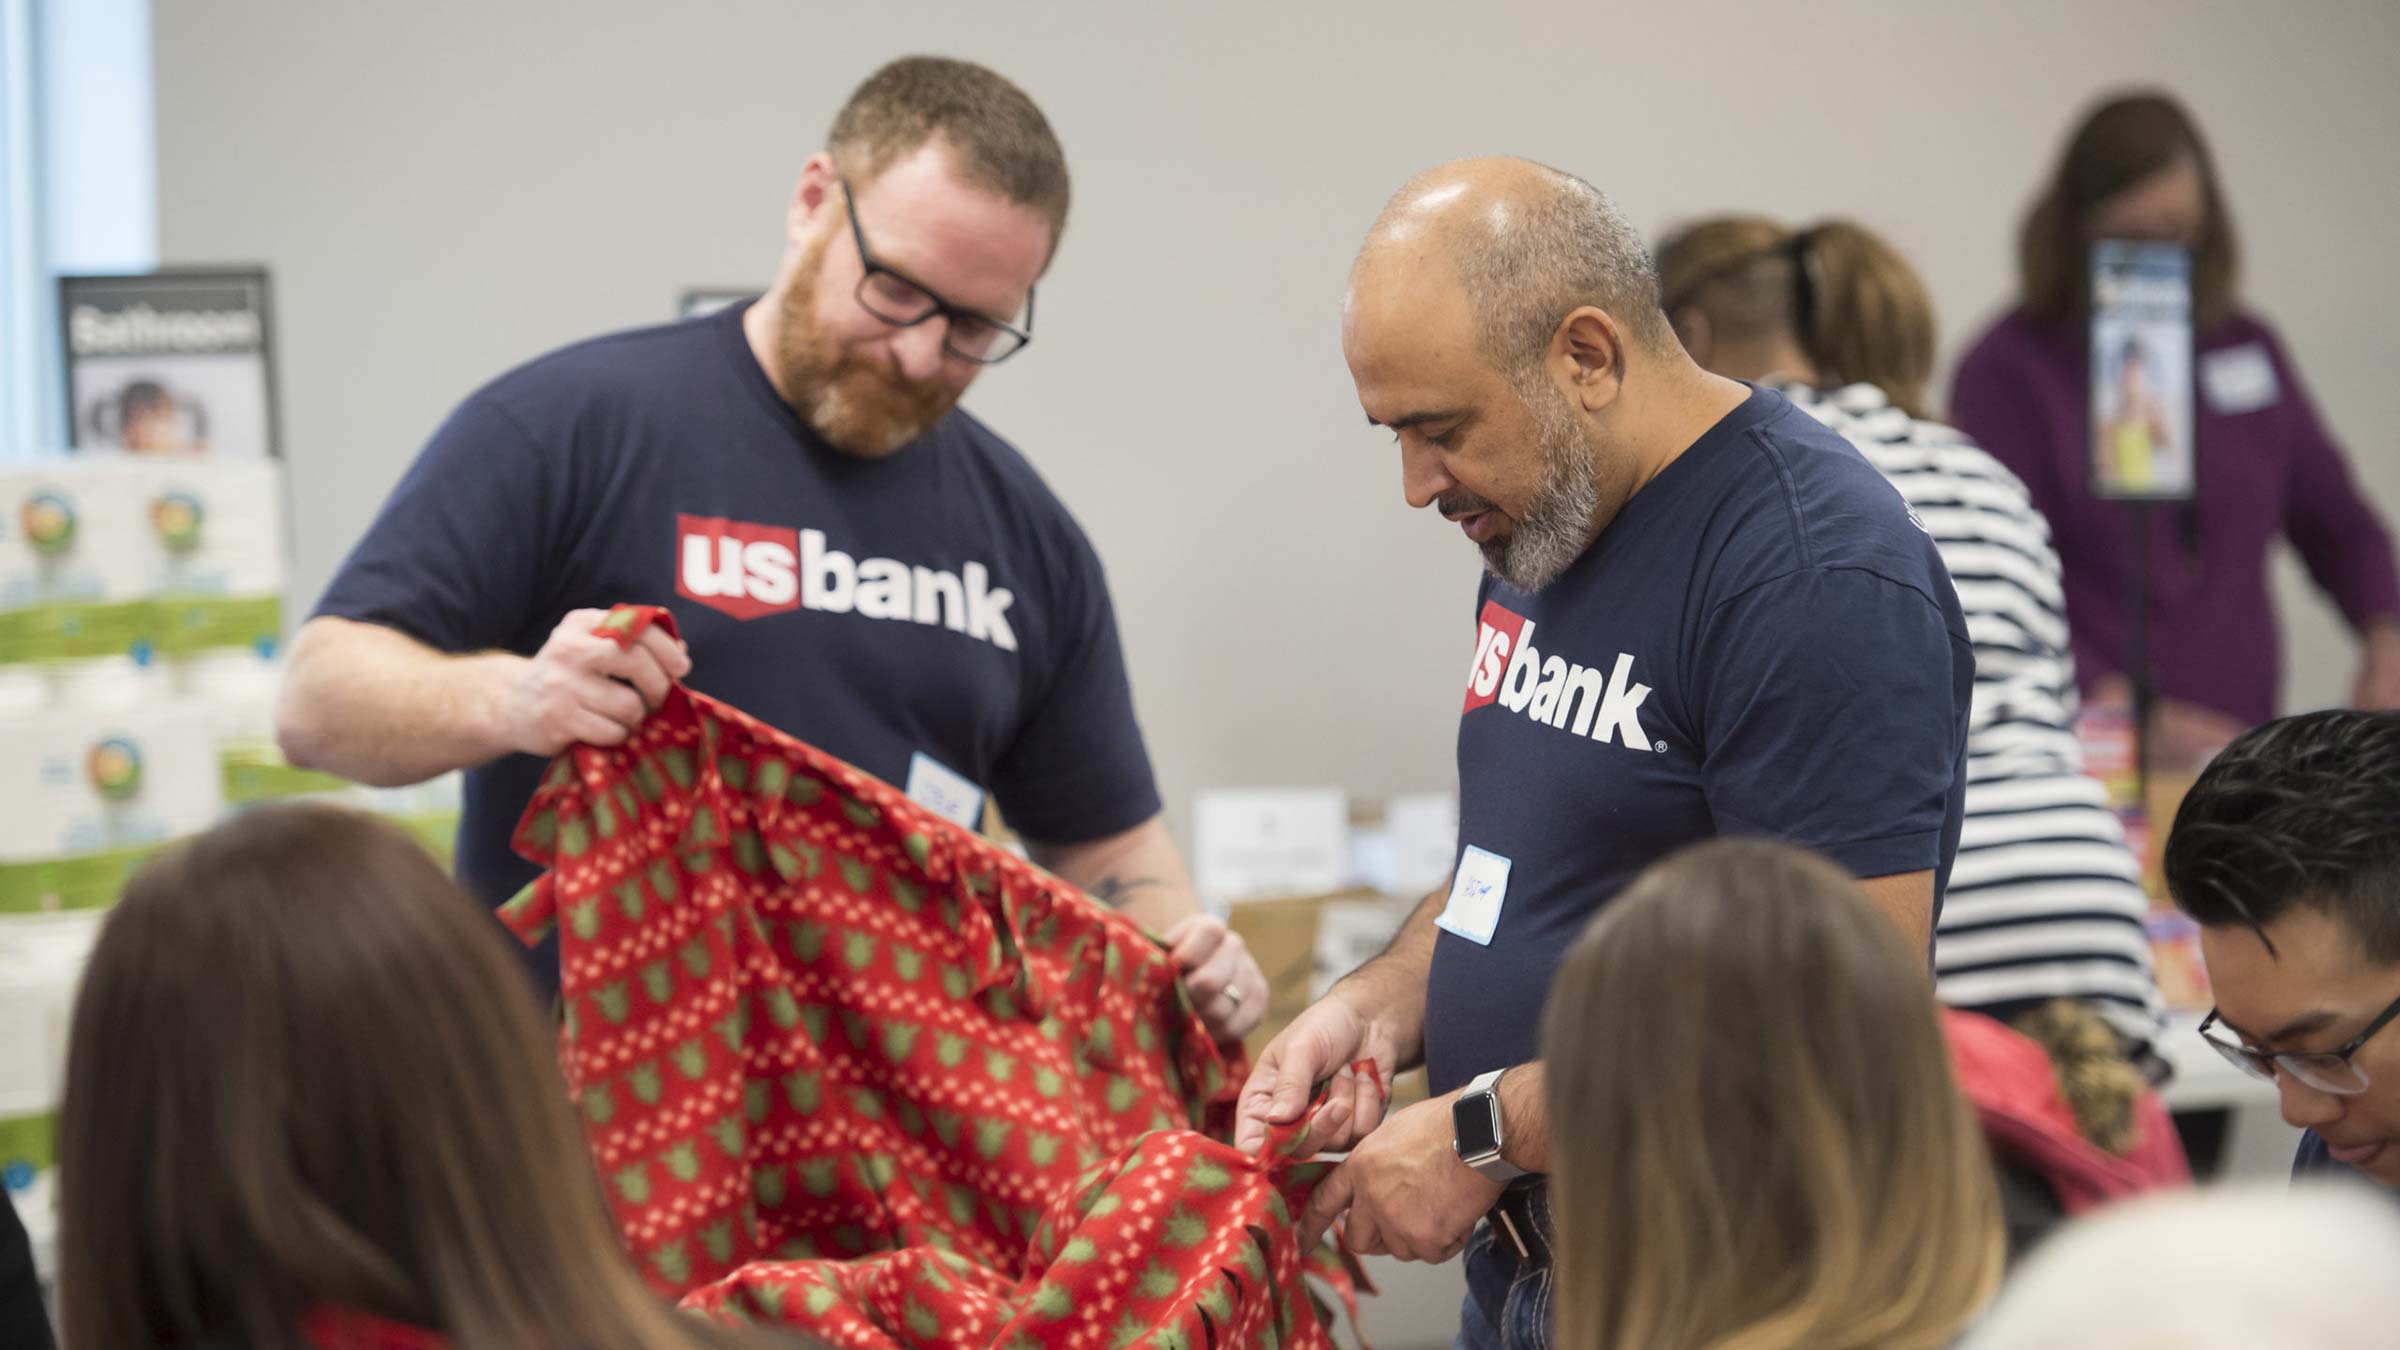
(446, 188)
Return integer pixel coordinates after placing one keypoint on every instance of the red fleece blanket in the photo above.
(849, 1068)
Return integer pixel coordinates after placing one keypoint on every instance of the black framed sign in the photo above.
(2141, 415)
(170, 362)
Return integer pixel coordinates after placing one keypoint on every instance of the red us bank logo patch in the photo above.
(1602, 703)
(1495, 642)
(747, 571)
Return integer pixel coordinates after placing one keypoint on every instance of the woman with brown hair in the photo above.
(310, 1103)
(2267, 469)
(1767, 1147)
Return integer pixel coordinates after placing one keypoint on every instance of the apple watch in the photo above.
(1475, 1130)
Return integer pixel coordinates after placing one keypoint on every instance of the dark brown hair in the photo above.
(1758, 1139)
(1849, 299)
(2123, 141)
(1000, 138)
(305, 1070)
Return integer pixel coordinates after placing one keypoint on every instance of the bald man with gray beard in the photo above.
(1703, 614)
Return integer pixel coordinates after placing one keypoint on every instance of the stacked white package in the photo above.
(110, 773)
(215, 570)
(215, 526)
(71, 534)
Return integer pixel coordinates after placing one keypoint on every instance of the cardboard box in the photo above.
(1282, 935)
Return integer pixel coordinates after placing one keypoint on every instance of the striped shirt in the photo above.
(2045, 900)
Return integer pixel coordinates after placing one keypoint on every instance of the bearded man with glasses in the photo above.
(2287, 852)
(850, 556)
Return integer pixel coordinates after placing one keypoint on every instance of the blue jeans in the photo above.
(1508, 1302)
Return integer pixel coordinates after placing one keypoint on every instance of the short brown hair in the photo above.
(1869, 317)
(1001, 140)
(1757, 1138)
(2119, 143)
(306, 1070)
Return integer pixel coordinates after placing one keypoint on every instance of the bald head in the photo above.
(1526, 243)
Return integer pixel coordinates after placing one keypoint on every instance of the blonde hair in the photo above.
(1851, 301)
(2101, 1085)
(1760, 1144)
(306, 1071)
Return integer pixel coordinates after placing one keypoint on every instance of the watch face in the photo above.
(1473, 1121)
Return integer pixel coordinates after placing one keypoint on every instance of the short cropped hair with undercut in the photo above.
(2299, 813)
(1001, 140)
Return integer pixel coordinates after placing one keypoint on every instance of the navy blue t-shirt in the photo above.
(940, 601)
(1763, 642)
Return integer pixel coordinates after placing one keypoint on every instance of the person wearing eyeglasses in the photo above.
(2287, 852)
(849, 556)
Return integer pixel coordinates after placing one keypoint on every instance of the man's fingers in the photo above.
(585, 727)
(1246, 1015)
(672, 657)
(1212, 976)
(1292, 1085)
(1195, 943)
(618, 703)
(1366, 1100)
(1364, 1234)
(1224, 1020)
(641, 668)
(1268, 1100)
(1329, 1129)
(1331, 1201)
(1258, 1099)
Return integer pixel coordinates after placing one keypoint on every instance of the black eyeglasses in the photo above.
(2325, 1070)
(902, 302)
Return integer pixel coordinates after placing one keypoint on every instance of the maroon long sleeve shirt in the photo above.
(2267, 467)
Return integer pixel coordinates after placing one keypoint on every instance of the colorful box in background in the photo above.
(73, 563)
(217, 568)
(76, 784)
(121, 556)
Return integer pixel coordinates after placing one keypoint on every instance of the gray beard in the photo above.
(1557, 528)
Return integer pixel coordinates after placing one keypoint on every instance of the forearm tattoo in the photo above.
(1112, 890)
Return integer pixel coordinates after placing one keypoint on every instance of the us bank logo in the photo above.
(751, 571)
(1513, 675)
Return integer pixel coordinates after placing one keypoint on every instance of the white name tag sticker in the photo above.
(944, 791)
(2239, 379)
(1476, 893)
